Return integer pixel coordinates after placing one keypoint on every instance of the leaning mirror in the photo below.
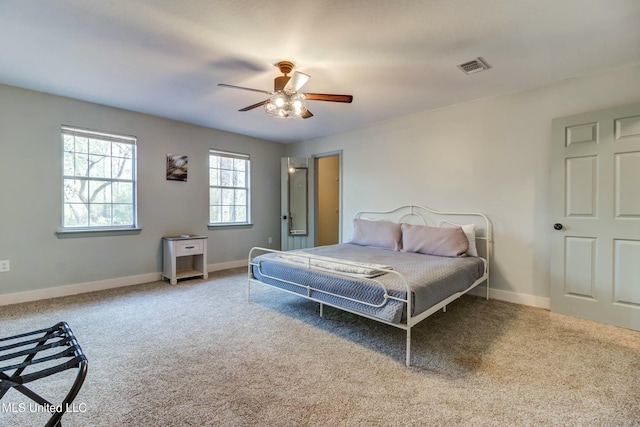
(298, 203)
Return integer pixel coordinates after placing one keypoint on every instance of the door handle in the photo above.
(284, 217)
(558, 226)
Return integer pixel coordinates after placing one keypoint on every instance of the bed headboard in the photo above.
(421, 215)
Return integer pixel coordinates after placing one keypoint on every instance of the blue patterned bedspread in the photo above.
(431, 279)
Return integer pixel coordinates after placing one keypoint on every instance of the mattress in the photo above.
(430, 278)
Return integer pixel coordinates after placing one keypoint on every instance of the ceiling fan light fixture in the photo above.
(286, 102)
(285, 105)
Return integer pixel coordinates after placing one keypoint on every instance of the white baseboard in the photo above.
(227, 265)
(81, 288)
(508, 296)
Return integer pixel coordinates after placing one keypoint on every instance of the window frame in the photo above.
(246, 187)
(109, 138)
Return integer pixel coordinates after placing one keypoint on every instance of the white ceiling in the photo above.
(166, 57)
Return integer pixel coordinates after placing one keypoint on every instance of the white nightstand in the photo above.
(184, 257)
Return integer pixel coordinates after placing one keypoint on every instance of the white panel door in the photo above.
(288, 240)
(595, 252)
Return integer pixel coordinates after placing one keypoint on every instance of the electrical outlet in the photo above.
(4, 266)
(270, 240)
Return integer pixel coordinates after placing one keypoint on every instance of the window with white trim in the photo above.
(99, 180)
(228, 188)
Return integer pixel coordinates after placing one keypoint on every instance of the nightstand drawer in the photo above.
(189, 247)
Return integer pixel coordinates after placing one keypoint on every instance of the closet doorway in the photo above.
(328, 171)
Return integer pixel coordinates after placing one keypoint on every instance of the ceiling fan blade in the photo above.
(307, 114)
(328, 97)
(251, 107)
(244, 88)
(296, 82)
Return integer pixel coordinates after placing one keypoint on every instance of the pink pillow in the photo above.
(380, 234)
(447, 241)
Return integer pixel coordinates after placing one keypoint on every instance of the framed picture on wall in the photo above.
(177, 165)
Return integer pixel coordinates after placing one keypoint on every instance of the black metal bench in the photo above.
(52, 361)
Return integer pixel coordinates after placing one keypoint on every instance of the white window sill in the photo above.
(84, 232)
(229, 225)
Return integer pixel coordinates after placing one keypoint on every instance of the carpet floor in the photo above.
(199, 354)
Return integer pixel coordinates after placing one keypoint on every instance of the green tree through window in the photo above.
(99, 185)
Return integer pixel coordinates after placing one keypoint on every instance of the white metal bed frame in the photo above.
(414, 214)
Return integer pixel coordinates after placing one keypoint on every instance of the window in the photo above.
(99, 180)
(228, 188)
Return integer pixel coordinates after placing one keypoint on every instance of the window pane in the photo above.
(214, 196)
(241, 214)
(100, 214)
(100, 191)
(81, 165)
(227, 214)
(69, 164)
(76, 191)
(76, 215)
(214, 177)
(239, 164)
(215, 214)
(81, 144)
(227, 197)
(99, 166)
(122, 192)
(239, 179)
(122, 214)
(122, 168)
(214, 162)
(241, 197)
(100, 147)
(226, 163)
(121, 150)
(226, 178)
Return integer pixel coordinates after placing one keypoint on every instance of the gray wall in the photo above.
(490, 156)
(30, 193)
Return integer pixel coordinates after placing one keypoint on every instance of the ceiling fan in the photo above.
(285, 101)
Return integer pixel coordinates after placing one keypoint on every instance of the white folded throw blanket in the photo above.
(363, 269)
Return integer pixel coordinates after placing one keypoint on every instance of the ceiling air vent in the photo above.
(474, 66)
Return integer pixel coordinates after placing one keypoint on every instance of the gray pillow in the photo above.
(380, 234)
(447, 241)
